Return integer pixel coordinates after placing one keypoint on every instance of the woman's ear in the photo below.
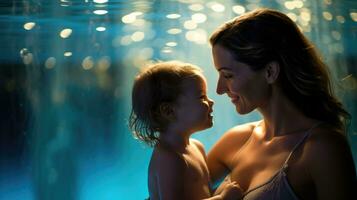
(272, 71)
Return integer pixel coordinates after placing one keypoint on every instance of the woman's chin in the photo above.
(242, 111)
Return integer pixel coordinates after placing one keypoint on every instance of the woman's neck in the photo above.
(281, 117)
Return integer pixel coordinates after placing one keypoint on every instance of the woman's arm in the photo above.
(221, 155)
(331, 166)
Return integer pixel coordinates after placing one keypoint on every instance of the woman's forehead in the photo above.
(222, 58)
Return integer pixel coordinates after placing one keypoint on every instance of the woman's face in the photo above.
(247, 89)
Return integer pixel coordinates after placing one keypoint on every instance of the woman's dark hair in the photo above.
(158, 84)
(263, 36)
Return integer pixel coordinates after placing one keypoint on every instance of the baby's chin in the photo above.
(209, 125)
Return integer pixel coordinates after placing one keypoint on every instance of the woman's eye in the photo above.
(227, 76)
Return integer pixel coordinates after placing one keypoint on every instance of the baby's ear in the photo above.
(272, 71)
(167, 111)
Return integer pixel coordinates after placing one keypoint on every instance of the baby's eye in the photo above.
(203, 97)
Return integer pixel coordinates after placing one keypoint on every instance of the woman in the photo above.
(298, 150)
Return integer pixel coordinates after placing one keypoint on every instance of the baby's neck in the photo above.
(175, 141)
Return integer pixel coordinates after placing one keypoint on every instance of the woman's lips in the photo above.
(234, 99)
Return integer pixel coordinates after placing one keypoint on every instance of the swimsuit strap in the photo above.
(307, 134)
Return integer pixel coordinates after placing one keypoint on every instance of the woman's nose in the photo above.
(221, 87)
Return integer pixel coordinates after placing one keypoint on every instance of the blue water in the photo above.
(66, 75)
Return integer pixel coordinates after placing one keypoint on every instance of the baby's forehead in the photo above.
(194, 83)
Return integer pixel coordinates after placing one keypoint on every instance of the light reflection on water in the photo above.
(71, 64)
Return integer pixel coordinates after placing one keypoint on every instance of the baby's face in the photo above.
(194, 108)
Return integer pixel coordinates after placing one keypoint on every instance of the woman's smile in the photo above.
(234, 98)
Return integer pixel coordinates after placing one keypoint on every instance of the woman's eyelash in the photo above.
(227, 76)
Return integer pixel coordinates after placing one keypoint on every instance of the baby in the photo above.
(169, 104)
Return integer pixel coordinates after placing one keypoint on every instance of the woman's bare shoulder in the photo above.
(328, 159)
(328, 151)
(326, 142)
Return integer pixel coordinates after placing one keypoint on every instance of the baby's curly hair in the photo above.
(158, 84)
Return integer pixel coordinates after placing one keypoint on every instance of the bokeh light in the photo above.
(68, 68)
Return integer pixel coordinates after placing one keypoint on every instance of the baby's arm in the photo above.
(170, 175)
(231, 191)
(223, 184)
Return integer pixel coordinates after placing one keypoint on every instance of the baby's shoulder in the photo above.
(197, 144)
(171, 159)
